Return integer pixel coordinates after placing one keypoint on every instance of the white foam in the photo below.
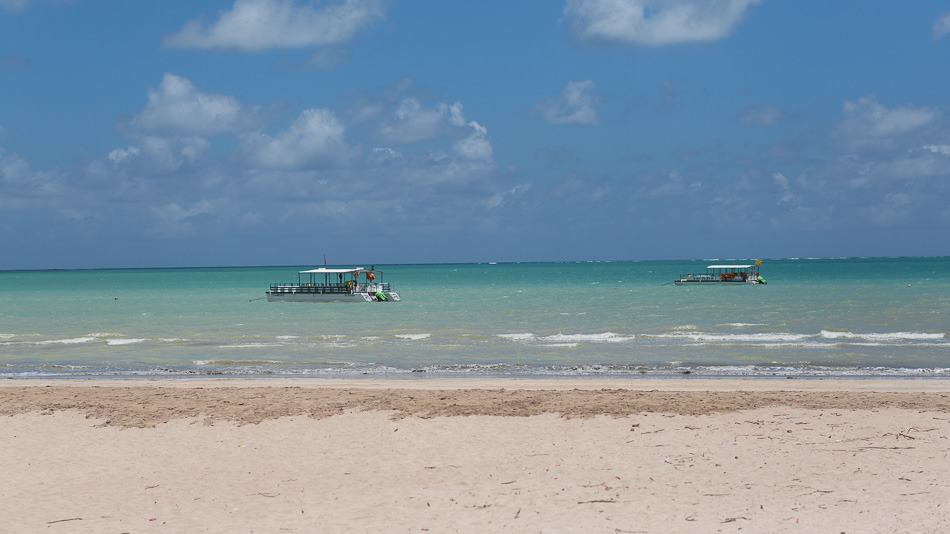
(172, 339)
(104, 334)
(523, 336)
(561, 345)
(248, 345)
(414, 337)
(742, 325)
(882, 336)
(70, 341)
(369, 338)
(605, 337)
(130, 341)
(752, 338)
(287, 337)
(7, 336)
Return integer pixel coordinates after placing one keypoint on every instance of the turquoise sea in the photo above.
(815, 317)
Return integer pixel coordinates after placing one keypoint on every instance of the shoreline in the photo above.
(422, 382)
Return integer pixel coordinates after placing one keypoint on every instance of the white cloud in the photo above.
(382, 153)
(782, 181)
(178, 105)
(867, 122)
(576, 105)
(501, 197)
(411, 122)
(176, 219)
(476, 145)
(315, 136)
(122, 154)
(942, 26)
(761, 115)
(674, 185)
(655, 22)
(943, 150)
(169, 154)
(254, 25)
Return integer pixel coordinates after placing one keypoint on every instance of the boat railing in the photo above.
(324, 289)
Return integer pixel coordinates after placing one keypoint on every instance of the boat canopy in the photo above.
(324, 270)
(728, 266)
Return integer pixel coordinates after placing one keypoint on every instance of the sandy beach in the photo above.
(442, 455)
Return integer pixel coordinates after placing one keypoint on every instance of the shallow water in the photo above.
(815, 317)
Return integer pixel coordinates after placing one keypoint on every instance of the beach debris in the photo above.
(598, 501)
(734, 519)
(151, 487)
(64, 520)
(264, 494)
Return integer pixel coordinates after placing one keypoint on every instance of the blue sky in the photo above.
(156, 133)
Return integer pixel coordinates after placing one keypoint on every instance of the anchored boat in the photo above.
(338, 285)
(725, 275)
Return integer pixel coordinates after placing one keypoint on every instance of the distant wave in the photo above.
(70, 341)
(702, 336)
(248, 345)
(525, 336)
(605, 337)
(120, 341)
(885, 336)
(414, 337)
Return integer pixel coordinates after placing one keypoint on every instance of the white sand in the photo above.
(773, 469)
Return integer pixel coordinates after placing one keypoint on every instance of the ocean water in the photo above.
(816, 317)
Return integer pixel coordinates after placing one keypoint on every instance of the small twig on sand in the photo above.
(594, 501)
(734, 519)
(263, 494)
(63, 520)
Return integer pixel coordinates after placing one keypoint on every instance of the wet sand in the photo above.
(465, 455)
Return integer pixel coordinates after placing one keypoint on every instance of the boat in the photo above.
(338, 285)
(725, 275)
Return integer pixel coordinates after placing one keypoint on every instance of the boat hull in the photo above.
(286, 296)
(714, 283)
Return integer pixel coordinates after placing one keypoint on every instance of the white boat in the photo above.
(338, 285)
(724, 275)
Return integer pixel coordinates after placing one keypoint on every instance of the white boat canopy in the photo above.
(728, 266)
(324, 270)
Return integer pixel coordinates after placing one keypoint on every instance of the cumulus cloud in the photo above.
(942, 26)
(122, 154)
(169, 154)
(760, 115)
(316, 136)
(177, 105)
(254, 25)
(866, 122)
(782, 181)
(174, 218)
(476, 145)
(412, 122)
(655, 22)
(576, 105)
